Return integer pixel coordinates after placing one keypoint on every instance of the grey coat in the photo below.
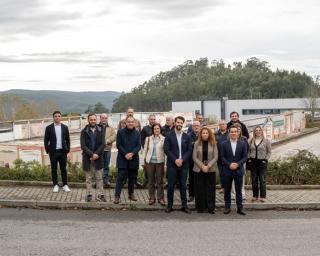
(212, 157)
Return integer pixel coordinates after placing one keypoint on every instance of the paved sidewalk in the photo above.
(42, 197)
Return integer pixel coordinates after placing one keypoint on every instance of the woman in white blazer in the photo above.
(154, 159)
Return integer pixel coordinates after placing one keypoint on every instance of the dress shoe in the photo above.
(132, 198)
(152, 201)
(88, 198)
(107, 185)
(185, 210)
(162, 202)
(116, 200)
(101, 198)
(211, 211)
(262, 200)
(241, 212)
(168, 210)
(191, 199)
(227, 211)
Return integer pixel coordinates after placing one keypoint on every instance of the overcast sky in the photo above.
(100, 45)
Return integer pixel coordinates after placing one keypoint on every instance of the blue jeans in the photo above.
(106, 163)
(180, 174)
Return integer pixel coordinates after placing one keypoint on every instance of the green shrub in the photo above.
(302, 168)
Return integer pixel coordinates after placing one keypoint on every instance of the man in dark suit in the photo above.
(233, 156)
(178, 148)
(92, 141)
(129, 145)
(57, 145)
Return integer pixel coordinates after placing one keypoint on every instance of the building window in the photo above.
(261, 111)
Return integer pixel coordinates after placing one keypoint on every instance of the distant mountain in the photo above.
(68, 101)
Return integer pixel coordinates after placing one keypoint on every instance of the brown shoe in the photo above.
(162, 202)
(116, 200)
(262, 200)
(254, 199)
(132, 198)
(152, 201)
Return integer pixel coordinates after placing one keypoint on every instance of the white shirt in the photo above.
(234, 147)
(57, 129)
(179, 139)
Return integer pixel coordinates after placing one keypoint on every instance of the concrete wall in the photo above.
(213, 108)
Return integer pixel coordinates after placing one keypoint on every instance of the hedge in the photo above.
(301, 168)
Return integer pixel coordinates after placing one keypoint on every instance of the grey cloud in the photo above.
(174, 8)
(93, 77)
(31, 17)
(63, 57)
(131, 74)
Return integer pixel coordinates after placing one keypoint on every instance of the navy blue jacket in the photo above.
(227, 157)
(128, 141)
(171, 149)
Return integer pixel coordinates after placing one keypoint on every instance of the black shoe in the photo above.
(191, 199)
(88, 198)
(168, 210)
(227, 211)
(241, 212)
(200, 211)
(138, 185)
(107, 185)
(185, 210)
(101, 198)
(211, 211)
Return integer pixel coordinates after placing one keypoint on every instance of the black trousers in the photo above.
(205, 190)
(123, 175)
(238, 180)
(258, 176)
(191, 180)
(58, 156)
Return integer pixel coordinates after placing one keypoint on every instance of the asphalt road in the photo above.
(54, 232)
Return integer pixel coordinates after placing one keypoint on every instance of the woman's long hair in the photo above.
(211, 139)
(254, 132)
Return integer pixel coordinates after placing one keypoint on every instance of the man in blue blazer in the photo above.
(129, 145)
(178, 148)
(233, 156)
(57, 146)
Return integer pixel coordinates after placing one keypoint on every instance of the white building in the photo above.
(247, 109)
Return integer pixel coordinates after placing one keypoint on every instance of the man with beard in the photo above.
(128, 144)
(92, 144)
(178, 148)
(234, 116)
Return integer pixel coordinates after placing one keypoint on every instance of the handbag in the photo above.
(145, 158)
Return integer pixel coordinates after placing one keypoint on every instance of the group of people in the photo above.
(167, 152)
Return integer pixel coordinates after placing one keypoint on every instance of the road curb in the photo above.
(145, 207)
